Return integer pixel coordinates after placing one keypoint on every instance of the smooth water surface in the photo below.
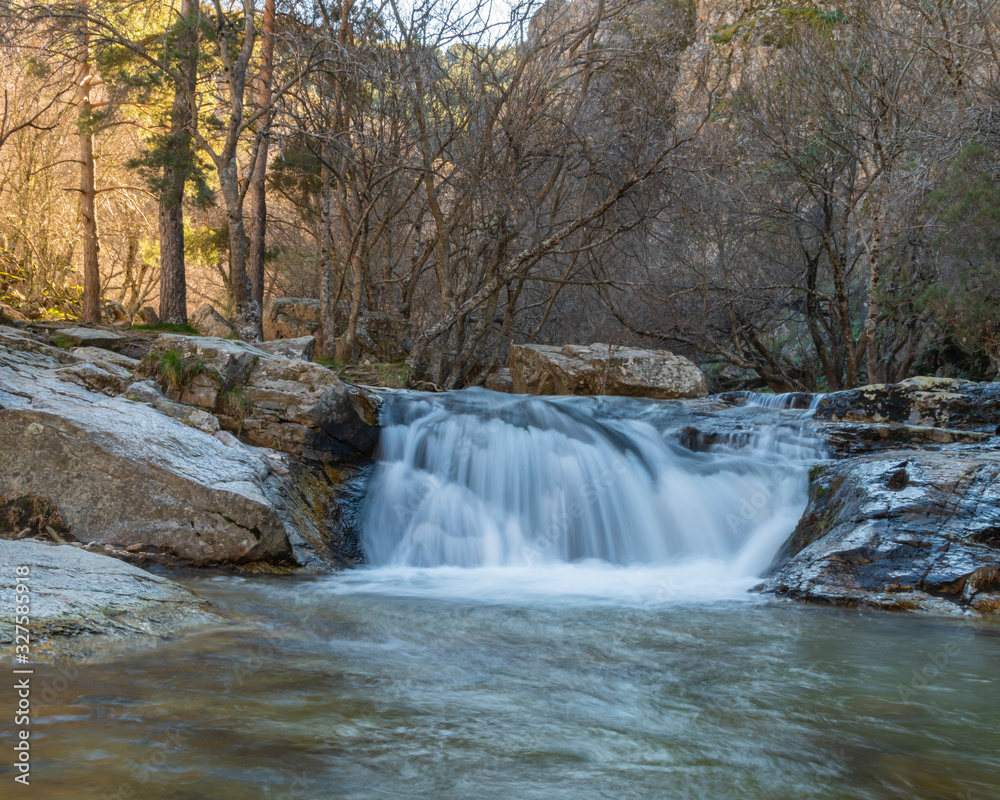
(376, 685)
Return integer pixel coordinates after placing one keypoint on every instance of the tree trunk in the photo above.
(326, 294)
(88, 191)
(258, 194)
(176, 170)
(247, 311)
(173, 283)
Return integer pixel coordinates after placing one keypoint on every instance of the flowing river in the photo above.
(556, 606)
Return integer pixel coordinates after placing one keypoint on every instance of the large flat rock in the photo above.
(124, 474)
(79, 599)
(600, 369)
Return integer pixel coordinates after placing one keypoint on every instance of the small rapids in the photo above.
(475, 479)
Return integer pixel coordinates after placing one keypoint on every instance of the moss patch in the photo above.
(167, 327)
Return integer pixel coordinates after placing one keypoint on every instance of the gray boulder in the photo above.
(147, 316)
(80, 600)
(291, 405)
(99, 356)
(301, 348)
(126, 475)
(600, 369)
(151, 479)
(97, 376)
(898, 530)
(499, 381)
(931, 402)
(209, 322)
(291, 318)
(89, 337)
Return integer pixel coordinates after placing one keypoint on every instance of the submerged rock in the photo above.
(600, 369)
(898, 530)
(79, 600)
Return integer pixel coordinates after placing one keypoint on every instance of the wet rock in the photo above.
(209, 322)
(301, 348)
(81, 600)
(853, 438)
(898, 530)
(599, 369)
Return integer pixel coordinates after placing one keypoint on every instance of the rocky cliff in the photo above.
(206, 452)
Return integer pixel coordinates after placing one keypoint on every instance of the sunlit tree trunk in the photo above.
(176, 170)
(88, 188)
(258, 193)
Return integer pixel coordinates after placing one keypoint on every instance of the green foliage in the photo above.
(62, 342)
(164, 150)
(295, 173)
(774, 25)
(206, 245)
(24, 288)
(171, 369)
(236, 405)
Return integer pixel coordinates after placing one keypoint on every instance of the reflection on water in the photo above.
(372, 685)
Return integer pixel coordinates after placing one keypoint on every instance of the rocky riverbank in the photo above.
(907, 515)
(191, 451)
(205, 452)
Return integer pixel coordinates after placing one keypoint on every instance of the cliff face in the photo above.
(713, 44)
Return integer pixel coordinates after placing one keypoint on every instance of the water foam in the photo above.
(536, 492)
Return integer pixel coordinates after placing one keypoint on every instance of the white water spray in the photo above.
(479, 479)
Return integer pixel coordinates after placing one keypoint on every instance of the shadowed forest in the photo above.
(799, 197)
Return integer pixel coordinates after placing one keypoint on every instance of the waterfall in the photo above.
(479, 479)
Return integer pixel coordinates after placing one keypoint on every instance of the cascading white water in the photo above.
(479, 479)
